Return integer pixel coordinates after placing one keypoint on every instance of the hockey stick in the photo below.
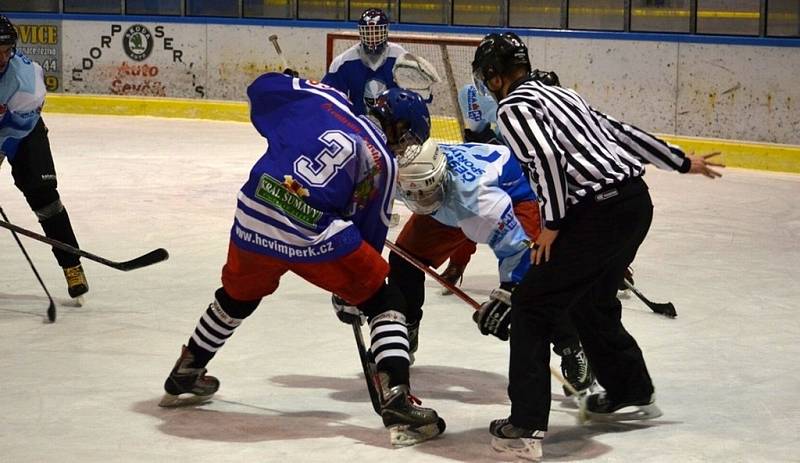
(665, 308)
(51, 309)
(150, 258)
(370, 374)
(445, 284)
(274, 39)
(582, 414)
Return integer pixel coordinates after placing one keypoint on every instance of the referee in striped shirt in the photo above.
(587, 170)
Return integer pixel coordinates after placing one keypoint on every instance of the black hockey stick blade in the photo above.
(665, 308)
(150, 258)
(368, 367)
(51, 311)
(153, 257)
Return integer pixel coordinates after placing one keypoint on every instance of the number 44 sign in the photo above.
(41, 42)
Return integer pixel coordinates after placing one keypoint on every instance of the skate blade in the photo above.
(404, 435)
(170, 401)
(639, 413)
(79, 301)
(446, 292)
(526, 448)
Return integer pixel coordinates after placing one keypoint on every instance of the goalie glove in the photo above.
(415, 73)
(494, 316)
(345, 312)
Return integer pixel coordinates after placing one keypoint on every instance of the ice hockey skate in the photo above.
(600, 408)
(77, 285)
(453, 274)
(575, 369)
(515, 441)
(186, 385)
(407, 422)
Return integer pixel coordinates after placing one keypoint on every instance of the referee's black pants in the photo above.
(595, 245)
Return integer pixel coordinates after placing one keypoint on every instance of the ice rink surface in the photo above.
(84, 389)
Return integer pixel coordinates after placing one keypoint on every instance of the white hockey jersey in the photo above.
(482, 184)
(22, 93)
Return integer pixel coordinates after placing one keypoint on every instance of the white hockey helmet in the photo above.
(421, 182)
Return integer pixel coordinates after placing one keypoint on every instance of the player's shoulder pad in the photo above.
(351, 54)
(394, 50)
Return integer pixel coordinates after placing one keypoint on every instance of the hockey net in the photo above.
(450, 56)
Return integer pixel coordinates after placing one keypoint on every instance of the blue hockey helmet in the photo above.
(405, 120)
(8, 35)
(373, 30)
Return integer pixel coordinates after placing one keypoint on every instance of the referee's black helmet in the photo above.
(497, 54)
(8, 35)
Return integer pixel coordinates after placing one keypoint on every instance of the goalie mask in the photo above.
(373, 30)
(421, 182)
(405, 120)
(496, 55)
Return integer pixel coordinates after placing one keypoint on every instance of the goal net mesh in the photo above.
(451, 57)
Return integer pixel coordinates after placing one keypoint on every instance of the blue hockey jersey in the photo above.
(22, 93)
(361, 80)
(482, 184)
(326, 182)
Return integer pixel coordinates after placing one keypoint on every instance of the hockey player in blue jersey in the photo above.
(318, 203)
(364, 70)
(474, 193)
(24, 142)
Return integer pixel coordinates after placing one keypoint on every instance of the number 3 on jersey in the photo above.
(339, 148)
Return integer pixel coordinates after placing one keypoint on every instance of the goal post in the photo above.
(450, 56)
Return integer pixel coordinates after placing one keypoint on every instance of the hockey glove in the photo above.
(494, 316)
(345, 312)
(486, 135)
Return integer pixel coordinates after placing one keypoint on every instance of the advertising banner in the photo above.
(40, 41)
(135, 59)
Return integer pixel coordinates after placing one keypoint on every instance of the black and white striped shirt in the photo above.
(570, 150)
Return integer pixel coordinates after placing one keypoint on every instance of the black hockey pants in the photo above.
(35, 176)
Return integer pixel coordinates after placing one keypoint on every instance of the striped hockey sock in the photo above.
(210, 334)
(390, 345)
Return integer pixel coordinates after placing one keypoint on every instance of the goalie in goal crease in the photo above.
(375, 64)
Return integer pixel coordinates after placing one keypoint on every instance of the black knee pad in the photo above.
(235, 308)
(389, 297)
(44, 201)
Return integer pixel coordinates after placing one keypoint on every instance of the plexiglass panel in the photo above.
(605, 15)
(730, 17)
(661, 15)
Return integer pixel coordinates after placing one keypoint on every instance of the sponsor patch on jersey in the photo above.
(294, 186)
(506, 224)
(285, 199)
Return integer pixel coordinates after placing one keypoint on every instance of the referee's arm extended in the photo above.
(643, 145)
